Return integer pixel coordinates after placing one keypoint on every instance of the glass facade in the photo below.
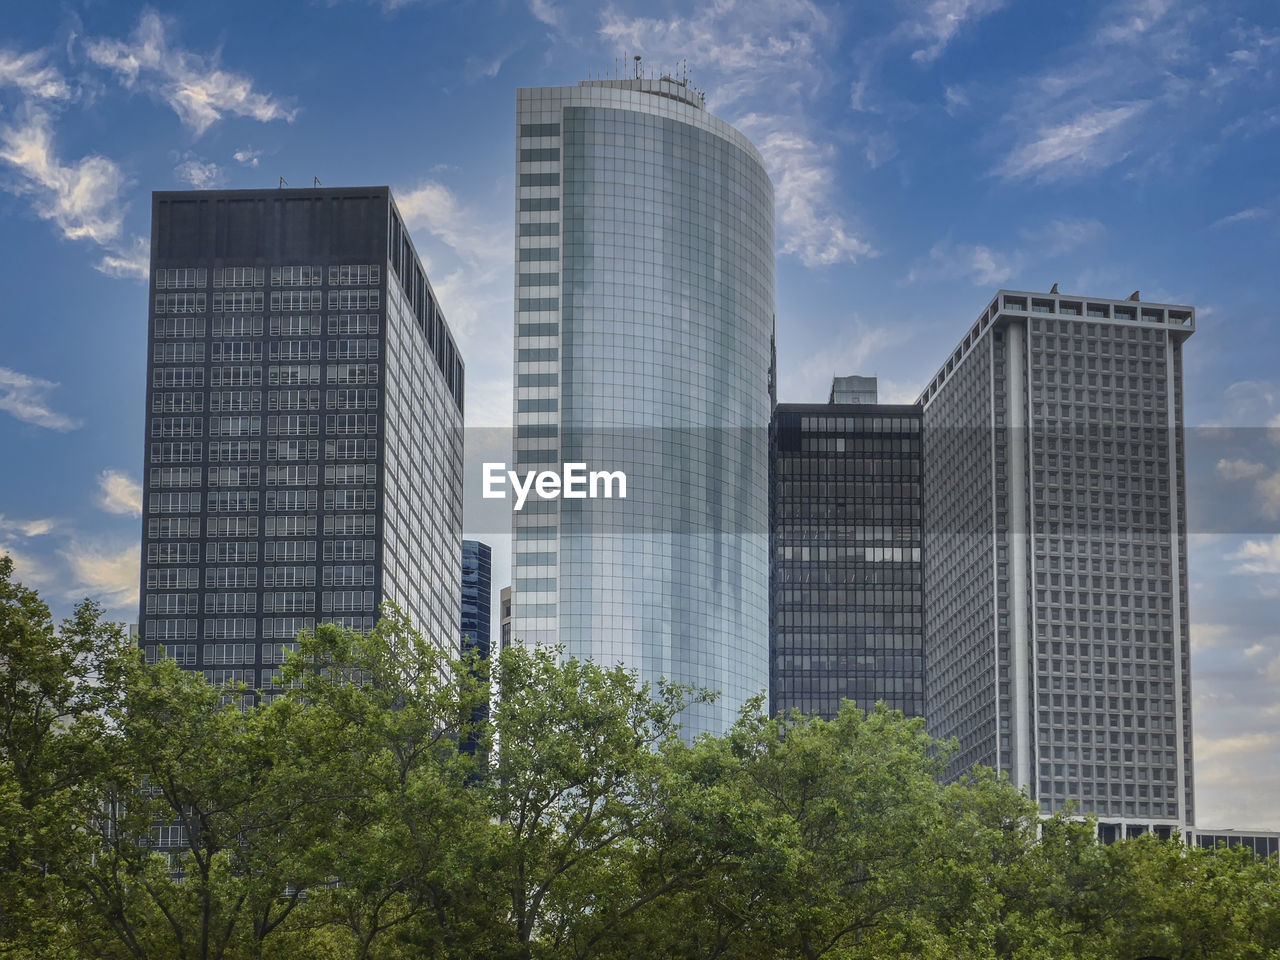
(847, 612)
(304, 429)
(477, 589)
(644, 312)
(1055, 554)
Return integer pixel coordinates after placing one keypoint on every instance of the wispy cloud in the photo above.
(544, 11)
(852, 353)
(937, 22)
(131, 262)
(769, 59)
(483, 68)
(199, 173)
(433, 207)
(955, 99)
(82, 198)
(26, 398)
(194, 86)
(803, 174)
(977, 263)
(247, 157)
(108, 574)
(1064, 234)
(1089, 141)
(1239, 469)
(1148, 87)
(1241, 216)
(474, 290)
(32, 75)
(1260, 557)
(119, 493)
(26, 528)
(1133, 20)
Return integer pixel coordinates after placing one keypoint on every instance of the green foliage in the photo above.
(339, 818)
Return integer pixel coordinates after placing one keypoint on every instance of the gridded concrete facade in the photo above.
(1055, 554)
(304, 428)
(644, 312)
(847, 611)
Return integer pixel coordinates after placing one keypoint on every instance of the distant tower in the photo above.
(477, 584)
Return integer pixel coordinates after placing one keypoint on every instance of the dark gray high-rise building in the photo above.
(845, 567)
(1055, 555)
(303, 428)
(477, 589)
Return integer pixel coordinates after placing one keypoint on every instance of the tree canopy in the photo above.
(146, 814)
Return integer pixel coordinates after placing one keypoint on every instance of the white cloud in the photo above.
(247, 157)
(433, 207)
(29, 570)
(752, 51)
(769, 59)
(977, 263)
(1239, 469)
(199, 174)
(1258, 556)
(82, 198)
(119, 493)
(26, 398)
(26, 528)
(1207, 636)
(1132, 21)
(475, 294)
(104, 573)
(938, 21)
(1089, 141)
(1250, 213)
(32, 76)
(132, 262)
(1268, 491)
(479, 68)
(197, 90)
(1235, 745)
(803, 174)
(880, 149)
(809, 381)
(544, 11)
(1065, 234)
(956, 99)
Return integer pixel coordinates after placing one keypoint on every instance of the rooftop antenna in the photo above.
(283, 182)
(637, 60)
(315, 181)
(1054, 289)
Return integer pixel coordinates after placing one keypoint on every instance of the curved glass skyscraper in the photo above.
(644, 322)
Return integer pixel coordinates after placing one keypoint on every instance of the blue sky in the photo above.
(924, 153)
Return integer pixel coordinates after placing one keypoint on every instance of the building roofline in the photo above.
(1178, 319)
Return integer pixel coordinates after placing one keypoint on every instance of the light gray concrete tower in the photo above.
(644, 311)
(1057, 633)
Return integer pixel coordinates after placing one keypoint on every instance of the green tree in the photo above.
(57, 685)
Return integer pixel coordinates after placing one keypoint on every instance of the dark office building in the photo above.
(477, 585)
(1263, 844)
(303, 428)
(845, 572)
